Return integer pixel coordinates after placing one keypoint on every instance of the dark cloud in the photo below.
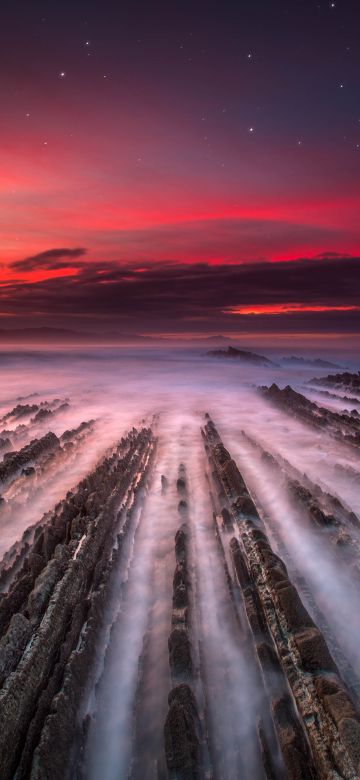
(51, 260)
(171, 296)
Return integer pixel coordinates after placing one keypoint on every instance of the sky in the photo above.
(180, 167)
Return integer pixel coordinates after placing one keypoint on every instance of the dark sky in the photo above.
(181, 167)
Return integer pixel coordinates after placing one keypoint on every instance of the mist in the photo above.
(125, 703)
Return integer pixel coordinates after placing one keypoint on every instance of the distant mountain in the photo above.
(300, 361)
(232, 353)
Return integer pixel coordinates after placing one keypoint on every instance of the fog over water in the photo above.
(171, 390)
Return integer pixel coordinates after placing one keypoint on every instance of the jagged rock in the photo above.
(180, 597)
(245, 505)
(46, 582)
(181, 485)
(180, 544)
(239, 564)
(342, 711)
(267, 657)
(180, 652)
(292, 741)
(48, 667)
(12, 464)
(221, 454)
(295, 613)
(180, 575)
(36, 563)
(253, 610)
(182, 748)
(13, 601)
(232, 475)
(319, 517)
(13, 644)
(313, 651)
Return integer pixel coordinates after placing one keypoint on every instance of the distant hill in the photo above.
(300, 361)
(242, 355)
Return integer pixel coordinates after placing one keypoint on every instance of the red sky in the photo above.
(177, 138)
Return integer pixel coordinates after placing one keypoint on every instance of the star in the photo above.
(62, 74)
(27, 115)
(332, 5)
(299, 143)
(251, 129)
(249, 56)
(341, 86)
(87, 43)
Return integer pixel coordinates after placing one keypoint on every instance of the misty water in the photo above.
(171, 389)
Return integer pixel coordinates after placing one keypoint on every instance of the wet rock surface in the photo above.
(17, 460)
(312, 739)
(346, 380)
(343, 426)
(57, 582)
(181, 734)
(52, 613)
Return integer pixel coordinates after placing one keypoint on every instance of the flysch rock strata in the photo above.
(342, 426)
(320, 736)
(183, 730)
(53, 612)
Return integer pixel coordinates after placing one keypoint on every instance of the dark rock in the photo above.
(270, 770)
(180, 544)
(180, 576)
(267, 657)
(180, 652)
(342, 711)
(292, 742)
(181, 485)
(226, 516)
(295, 613)
(313, 651)
(246, 506)
(180, 597)
(239, 564)
(13, 644)
(182, 748)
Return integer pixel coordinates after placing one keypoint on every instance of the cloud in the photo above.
(51, 260)
(168, 295)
